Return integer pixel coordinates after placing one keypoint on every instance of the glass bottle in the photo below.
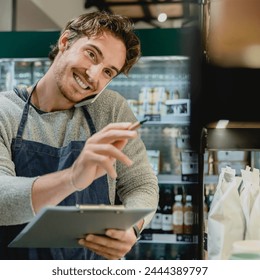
(178, 215)
(188, 216)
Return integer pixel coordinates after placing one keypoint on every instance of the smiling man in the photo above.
(55, 152)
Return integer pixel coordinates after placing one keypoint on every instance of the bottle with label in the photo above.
(177, 212)
(188, 216)
(167, 225)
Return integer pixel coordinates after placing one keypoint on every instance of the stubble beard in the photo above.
(59, 76)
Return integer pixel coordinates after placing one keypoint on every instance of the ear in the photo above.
(63, 41)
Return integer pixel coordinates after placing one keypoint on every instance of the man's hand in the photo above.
(113, 246)
(97, 158)
(100, 154)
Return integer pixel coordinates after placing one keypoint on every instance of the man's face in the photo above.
(87, 65)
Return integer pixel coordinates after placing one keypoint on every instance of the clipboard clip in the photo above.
(99, 206)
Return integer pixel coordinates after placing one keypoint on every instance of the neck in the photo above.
(34, 98)
(46, 102)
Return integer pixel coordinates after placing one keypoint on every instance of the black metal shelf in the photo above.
(233, 136)
(169, 238)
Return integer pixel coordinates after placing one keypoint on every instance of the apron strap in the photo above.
(89, 120)
(23, 120)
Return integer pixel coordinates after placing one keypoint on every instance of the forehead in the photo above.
(112, 49)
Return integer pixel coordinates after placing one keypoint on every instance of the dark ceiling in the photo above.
(185, 11)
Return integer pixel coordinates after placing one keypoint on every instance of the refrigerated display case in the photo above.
(17, 72)
(158, 88)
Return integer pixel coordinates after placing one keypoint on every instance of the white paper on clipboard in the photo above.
(62, 226)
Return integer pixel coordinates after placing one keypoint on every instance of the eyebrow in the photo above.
(102, 56)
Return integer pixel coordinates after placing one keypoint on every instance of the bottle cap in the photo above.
(178, 197)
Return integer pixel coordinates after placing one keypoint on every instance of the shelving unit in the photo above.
(21, 72)
(169, 134)
(234, 136)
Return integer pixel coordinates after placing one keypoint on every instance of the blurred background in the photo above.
(25, 15)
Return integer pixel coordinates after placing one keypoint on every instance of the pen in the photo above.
(137, 124)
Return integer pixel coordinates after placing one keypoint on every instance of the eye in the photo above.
(109, 73)
(91, 55)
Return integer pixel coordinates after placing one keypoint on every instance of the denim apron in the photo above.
(35, 159)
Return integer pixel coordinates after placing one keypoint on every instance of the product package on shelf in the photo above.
(251, 203)
(234, 212)
(225, 219)
(237, 160)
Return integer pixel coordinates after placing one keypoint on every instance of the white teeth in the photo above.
(80, 83)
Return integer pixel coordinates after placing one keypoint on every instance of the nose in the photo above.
(94, 72)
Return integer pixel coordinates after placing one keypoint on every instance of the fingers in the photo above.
(120, 144)
(119, 126)
(105, 147)
(106, 152)
(113, 133)
(105, 155)
(104, 246)
(110, 248)
(100, 153)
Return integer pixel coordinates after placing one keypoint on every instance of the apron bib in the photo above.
(35, 159)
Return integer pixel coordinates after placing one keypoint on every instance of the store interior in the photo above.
(197, 82)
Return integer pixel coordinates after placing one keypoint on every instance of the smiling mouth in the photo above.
(81, 83)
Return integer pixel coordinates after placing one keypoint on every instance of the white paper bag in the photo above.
(253, 225)
(226, 221)
(248, 193)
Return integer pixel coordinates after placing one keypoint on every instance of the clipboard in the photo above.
(62, 226)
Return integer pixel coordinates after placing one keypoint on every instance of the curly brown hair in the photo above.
(95, 24)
